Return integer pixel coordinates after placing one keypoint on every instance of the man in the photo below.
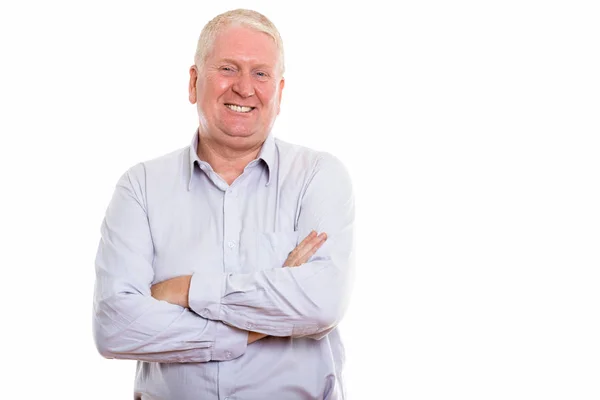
(224, 267)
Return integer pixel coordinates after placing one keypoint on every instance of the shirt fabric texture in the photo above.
(174, 216)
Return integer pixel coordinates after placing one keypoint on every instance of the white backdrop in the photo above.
(470, 129)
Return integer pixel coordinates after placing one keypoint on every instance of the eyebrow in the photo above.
(232, 61)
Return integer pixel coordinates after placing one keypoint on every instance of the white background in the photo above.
(470, 129)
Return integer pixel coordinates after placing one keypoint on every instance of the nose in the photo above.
(243, 86)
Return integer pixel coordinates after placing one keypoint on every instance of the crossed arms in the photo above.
(176, 290)
(208, 316)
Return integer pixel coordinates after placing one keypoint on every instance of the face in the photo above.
(238, 89)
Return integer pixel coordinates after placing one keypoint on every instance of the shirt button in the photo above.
(228, 354)
(249, 325)
(231, 244)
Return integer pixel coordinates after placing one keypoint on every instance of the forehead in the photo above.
(244, 44)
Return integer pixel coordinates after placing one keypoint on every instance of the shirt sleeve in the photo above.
(128, 322)
(293, 301)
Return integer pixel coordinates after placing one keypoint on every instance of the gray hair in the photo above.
(247, 18)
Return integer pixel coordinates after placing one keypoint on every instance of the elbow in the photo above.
(326, 312)
(331, 308)
(333, 296)
(106, 344)
(110, 338)
(329, 316)
(104, 349)
(101, 338)
(321, 317)
(103, 344)
(114, 345)
(319, 322)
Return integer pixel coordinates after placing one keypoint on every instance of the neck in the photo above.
(227, 162)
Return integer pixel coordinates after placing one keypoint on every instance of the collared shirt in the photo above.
(175, 216)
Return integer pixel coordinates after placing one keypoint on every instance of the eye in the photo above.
(227, 69)
(262, 75)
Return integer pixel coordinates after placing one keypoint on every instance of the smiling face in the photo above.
(238, 88)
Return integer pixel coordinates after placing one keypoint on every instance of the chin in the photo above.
(241, 132)
(239, 135)
(244, 139)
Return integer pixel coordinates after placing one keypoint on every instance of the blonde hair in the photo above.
(247, 18)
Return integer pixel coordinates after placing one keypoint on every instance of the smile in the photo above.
(240, 109)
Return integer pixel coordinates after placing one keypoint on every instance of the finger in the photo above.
(302, 249)
(311, 236)
(299, 249)
(311, 249)
(306, 249)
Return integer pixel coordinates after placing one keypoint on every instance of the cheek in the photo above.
(215, 88)
(268, 96)
(221, 86)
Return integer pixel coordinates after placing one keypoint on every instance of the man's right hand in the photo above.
(301, 254)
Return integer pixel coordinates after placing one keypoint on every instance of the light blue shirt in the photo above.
(175, 216)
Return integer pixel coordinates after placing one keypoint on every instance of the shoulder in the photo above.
(294, 156)
(166, 166)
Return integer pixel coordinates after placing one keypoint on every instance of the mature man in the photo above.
(210, 271)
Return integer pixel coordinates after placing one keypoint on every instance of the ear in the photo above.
(192, 84)
(281, 85)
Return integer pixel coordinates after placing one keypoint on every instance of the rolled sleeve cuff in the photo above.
(229, 343)
(206, 291)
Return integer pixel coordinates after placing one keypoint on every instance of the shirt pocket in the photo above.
(273, 248)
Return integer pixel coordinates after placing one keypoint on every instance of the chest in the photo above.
(241, 229)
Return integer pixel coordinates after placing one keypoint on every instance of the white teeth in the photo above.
(239, 108)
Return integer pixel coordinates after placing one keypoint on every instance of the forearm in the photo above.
(255, 336)
(132, 326)
(300, 301)
(176, 291)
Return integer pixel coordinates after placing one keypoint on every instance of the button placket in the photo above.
(231, 255)
(231, 230)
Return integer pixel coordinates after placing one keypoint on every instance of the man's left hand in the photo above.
(174, 290)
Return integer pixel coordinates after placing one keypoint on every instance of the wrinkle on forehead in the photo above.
(239, 44)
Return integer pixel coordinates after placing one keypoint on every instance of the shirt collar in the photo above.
(267, 154)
